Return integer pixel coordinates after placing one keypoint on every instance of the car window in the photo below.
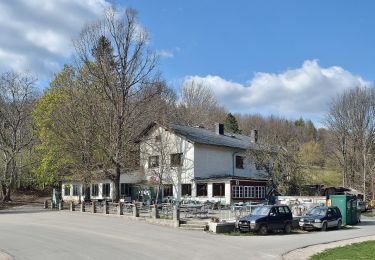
(287, 210)
(330, 212)
(281, 210)
(261, 211)
(318, 211)
(274, 212)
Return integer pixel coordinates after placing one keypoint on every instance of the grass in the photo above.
(369, 213)
(364, 250)
(326, 175)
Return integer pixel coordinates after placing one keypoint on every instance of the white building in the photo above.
(191, 162)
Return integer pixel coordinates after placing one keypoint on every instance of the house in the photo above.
(189, 162)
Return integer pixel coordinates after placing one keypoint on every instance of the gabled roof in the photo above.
(204, 136)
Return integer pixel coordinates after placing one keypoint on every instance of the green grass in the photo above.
(364, 250)
(369, 213)
(325, 175)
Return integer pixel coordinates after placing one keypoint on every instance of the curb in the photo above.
(305, 252)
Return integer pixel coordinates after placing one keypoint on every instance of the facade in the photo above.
(187, 163)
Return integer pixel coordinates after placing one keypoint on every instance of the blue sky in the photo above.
(288, 58)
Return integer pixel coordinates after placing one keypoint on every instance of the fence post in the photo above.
(93, 208)
(52, 206)
(46, 204)
(60, 205)
(106, 210)
(176, 216)
(135, 211)
(82, 206)
(72, 208)
(154, 211)
(120, 209)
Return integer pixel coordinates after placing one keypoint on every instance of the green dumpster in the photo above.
(348, 207)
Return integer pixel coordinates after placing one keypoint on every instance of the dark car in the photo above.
(321, 218)
(267, 218)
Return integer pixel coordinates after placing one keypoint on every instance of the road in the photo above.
(32, 233)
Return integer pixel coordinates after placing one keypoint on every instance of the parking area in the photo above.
(32, 233)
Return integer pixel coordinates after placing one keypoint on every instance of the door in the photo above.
(274, 219)
(331, 218)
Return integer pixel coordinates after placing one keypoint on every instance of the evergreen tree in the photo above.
(231, 124)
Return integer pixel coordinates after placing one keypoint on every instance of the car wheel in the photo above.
(263, 230)
(339, 224)
(324, 227)
(287, 228)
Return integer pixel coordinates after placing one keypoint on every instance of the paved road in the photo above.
(32, 233)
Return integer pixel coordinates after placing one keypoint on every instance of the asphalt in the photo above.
(34, 233)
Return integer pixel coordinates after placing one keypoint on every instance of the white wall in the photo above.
(214, 160)
(169, 144)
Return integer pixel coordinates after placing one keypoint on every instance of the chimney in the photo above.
(254, 136)
(219, 129)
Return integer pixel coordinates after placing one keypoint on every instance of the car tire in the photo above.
(339, 224)
(324, 227)
(263, 230)
(287, 228)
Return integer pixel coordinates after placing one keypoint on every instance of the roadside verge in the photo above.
(306, 252)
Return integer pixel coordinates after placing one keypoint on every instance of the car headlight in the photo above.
(252, 222)
(317, 221)
(301, 219)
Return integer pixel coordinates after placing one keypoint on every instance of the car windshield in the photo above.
(261, 211)
(318, 211)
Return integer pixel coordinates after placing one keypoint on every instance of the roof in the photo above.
(204, 136)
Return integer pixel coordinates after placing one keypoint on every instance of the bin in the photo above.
(348, 207)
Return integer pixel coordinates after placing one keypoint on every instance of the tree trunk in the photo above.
(116, 184)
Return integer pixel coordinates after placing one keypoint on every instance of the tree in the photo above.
(351, 120)
(114, 53)
(17, 97)
(198, 106)
(231, 124)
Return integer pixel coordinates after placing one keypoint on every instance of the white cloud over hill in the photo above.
(305, 91)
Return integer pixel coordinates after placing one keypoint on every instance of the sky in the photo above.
(287, 58)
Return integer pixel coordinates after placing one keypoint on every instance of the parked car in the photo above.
(267, 218)
(321, 218)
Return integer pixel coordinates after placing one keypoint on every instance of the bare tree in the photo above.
(199, 106)
(115, 55)
(17, 97)
(351, 120)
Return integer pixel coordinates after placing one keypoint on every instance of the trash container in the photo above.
(348, 207)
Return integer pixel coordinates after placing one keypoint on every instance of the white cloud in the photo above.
(36, 35)
(165, 54)
(305, 91)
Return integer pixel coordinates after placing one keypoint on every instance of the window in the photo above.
(239, 162)
(247, 191)
(153, 161)
(168, 190)
(176, 159)
(66, 190)
(218, 189)
(158, 138)
(125, 189)
(106, 189)
(95, 190)
(186, 189)
(237, 191)
(201, 189)
(76, 191)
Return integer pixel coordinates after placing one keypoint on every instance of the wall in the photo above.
(167, 145)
